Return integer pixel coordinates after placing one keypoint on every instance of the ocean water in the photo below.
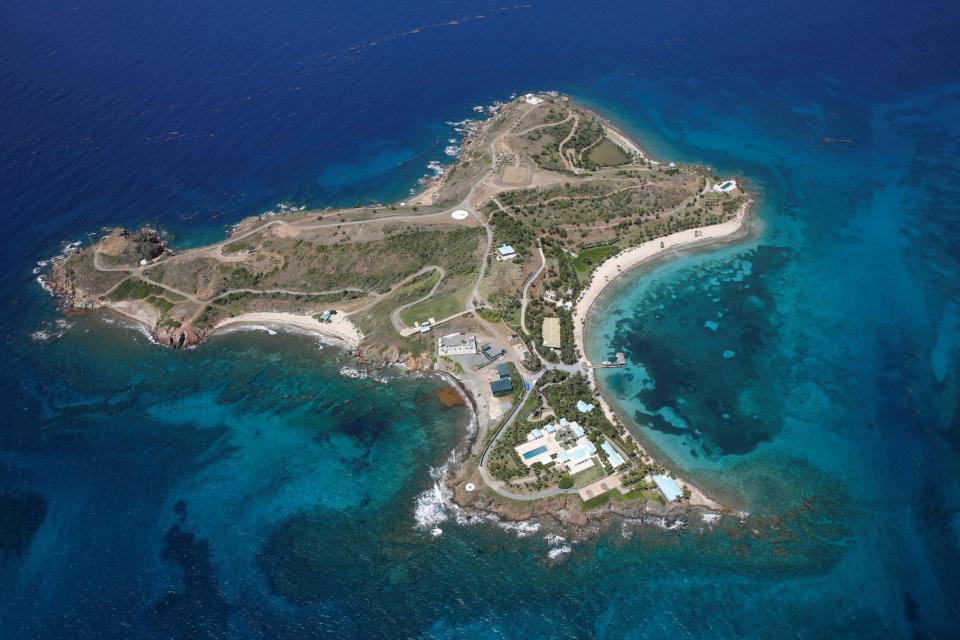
(250, 489)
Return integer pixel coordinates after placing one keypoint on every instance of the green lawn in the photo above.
(587, 476)
(438, 308)
(596, 255)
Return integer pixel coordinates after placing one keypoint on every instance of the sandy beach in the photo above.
(619, 264)
(339, 328)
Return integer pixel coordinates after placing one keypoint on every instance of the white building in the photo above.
(457, 344)
(725, 187)
(547, 445)
(505, 252)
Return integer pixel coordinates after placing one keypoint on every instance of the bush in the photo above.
(565, 481)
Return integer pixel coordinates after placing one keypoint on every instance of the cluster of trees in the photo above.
(565, 390)
(588, 132)
(509, 230)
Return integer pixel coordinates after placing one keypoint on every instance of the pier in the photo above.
(618, 363)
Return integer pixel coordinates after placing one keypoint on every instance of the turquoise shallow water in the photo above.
(248, 490)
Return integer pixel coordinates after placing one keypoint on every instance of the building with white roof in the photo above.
(552, 445)
(457, 344)
(505, 252)
(584, 407)
(725, 187)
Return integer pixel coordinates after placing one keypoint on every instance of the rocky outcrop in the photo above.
(179, 337)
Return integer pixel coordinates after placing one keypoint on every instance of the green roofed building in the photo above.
(501, 387)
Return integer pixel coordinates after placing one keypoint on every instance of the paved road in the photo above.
(499, 486)
(526, 289)
(398, 325)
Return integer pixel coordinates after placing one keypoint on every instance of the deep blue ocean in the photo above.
(809, 374)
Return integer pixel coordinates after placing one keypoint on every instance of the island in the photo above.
(486, 276)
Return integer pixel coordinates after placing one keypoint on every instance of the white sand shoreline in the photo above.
(610, 269)
(608, 272)
(339, 328)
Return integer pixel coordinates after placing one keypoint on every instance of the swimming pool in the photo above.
(533, 453)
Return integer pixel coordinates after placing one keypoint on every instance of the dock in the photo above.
(618, 363)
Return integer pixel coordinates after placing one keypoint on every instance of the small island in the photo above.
(486, 276)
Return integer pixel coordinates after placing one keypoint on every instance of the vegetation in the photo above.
(588, 259)
(134, 289)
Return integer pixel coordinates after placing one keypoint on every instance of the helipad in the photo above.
(460, 214)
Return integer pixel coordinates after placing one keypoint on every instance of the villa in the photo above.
(584, 407)
(505, 252)
(564, 444)
(457, 344)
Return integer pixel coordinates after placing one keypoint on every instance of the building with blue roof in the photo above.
(503, 370)
(668, 487)
(615, 458)
(584, 407)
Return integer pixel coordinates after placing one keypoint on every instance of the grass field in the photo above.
(607, 154)
(587, 476)
(596, 255)
(438, 308)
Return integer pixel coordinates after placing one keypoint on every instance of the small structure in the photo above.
(584, 407)
(503, 371)
(615, 458)
(425, 327)
(550, 295)
(725, 187)
(532, 99)
(457, 344)
(668, 487)
(325, 316)
(551, 333)
(505, 252)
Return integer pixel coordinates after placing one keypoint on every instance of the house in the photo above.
(615, 458)
(501, 387)
(505, 252)
(551, 333)
(425, 327)
(584, 407)
(503, 371)
(457, 344)
(668, 487)
(553, 445)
